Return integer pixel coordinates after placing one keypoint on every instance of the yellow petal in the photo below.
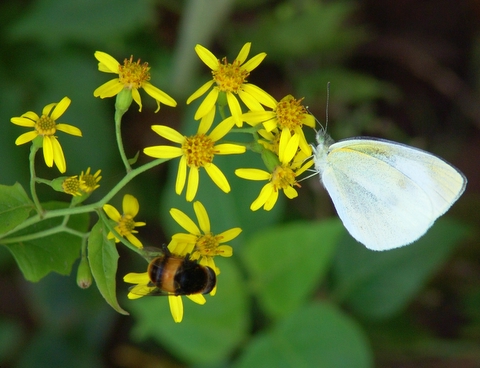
(197, 298)
(260, 95)
(137, 98)
(235, 108)
(250, 101)
(112, 212)
(271, 201)
(69, 129)
(192, 183)
(168, 133)
(25, 122)
(58, 156)
(130, 205)
(109, 89)
(199, 92)
(222, 129)
(229, 234)
(163, 151)
(60, 108)
(253, 174)
(26, 137)
(159, 95)
(243, 54)
(184, 221)
(207, 104)
(31, 115)
(225, 251)
(133, 239)
(206, 122)
(290, 192)
(265, 193)
(107, 64)
(254, 61)
(137, 278)
(217, 176)
(181, 175)
(176, 307)
(47, 151)
(207, 57)
(202, 217)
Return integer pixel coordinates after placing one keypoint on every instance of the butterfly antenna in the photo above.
(326, 108)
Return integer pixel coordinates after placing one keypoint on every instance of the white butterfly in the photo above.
(387, 194)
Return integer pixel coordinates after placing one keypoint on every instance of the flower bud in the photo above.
(84, 275)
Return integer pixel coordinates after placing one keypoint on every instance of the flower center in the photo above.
(283, 177)
(198, 150)
(71, 186)
(126, 225)
(230, 77)
(45, 125)
(89, 183)
(290, 113)
(207, 245)
(133, 74)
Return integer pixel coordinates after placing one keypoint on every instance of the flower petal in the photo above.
(207, 104)
(207, 57)
(202, 217)
(137, 278)
(271, 201)
(112, 212)
(176, 307)
(197, 298)
(134, 240)
(228, 235)
(137, 98)
(235, 109)
(217, 176)
(168, 133)
(260, 95)
(69, 129)
(107, 63)
(254, 62)
(253, 174)
(47, 151)
(250, 101)
(60, 108)
(26, 137)
(243, 54)
(159, 95)
(163, 151)
(265, 193)
(181, 175)
(23, 121)
(58, 155)
(199, 92)
(206, 122)
(130, 205)
(290, 192)
(225, 251)
(184, 221)
(192, 183)
(109, 89)
(222, 129)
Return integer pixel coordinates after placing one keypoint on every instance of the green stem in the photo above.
(118, 133)
(90, 207)
(33, 190)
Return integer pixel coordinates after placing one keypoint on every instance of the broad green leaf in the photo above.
(316, 335)
(103, 257)
(57, 252)
(380, 284)
(286, 263)
(209, 333)
(15, 206)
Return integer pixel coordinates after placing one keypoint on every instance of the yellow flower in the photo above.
(131, 76)
(125, 223)
(231, 79)
(46, 126)
(144, 287)
(195, 152)
(290, 114)
(200, 242)
(282, 176)
(89, 182)
(71, 186)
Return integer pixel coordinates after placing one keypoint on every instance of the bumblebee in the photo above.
(174, 275)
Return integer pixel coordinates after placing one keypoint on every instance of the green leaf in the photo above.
(317, 335)
(15, 206)
(379, 284)
(286, 263)
(57, 252)
(209, 333)
(103, 257)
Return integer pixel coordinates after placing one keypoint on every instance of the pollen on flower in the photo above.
(71, 186)
(89, 182)
(133, 74)
(230, 77)
(126, 225)
(290, 113)
(45, 126)
(283, 177)
(199, 150)
(207, 245)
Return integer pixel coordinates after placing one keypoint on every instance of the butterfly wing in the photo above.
(388, 194)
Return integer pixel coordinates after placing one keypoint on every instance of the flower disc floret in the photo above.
(89, 182)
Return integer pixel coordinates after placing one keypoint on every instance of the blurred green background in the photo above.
(298, 292)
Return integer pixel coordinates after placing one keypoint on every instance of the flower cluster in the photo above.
(276, 131)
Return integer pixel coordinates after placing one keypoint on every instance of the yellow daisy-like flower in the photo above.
(131, 76)
(231, 79)
(283, 176)
(46, 127)
(290, 114)
(125, 223)
(71, 186)
(200, 242)
(89, 182)
(144, 287)
(195, 152)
